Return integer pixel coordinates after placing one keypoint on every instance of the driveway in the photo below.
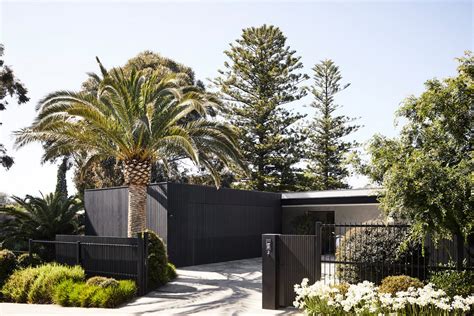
(227, 288)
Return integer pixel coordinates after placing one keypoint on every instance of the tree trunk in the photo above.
(136, 209)
(137, 176)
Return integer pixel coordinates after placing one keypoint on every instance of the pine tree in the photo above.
(327, 147)
(261, 77)
(61, 182)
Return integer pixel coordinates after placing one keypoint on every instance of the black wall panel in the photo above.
(200, 224)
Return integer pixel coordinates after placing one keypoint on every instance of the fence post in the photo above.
(78, 253)
(30, 249)
(318, 251)
(270, 271)
(140, 264)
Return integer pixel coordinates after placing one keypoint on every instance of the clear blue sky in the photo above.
(385, 49)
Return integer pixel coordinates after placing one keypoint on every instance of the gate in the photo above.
(286, 260)
(352, 253)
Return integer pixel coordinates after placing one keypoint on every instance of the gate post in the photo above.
(318, 251)
(270, 271)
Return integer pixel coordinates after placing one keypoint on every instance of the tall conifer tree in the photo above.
(261, 77)
(327, 146)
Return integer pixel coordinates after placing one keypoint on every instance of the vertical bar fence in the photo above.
(352, 253)
(124, 259)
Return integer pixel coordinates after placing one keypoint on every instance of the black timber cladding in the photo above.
(200, 224)
(207, 225)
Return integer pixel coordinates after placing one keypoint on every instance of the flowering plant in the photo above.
(364, 299)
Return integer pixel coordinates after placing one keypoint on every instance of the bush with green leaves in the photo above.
(454, 282)
(91, 294)
(102, 281)
(25, 260)
(36, 284)
(379, 252)
(7, 264)
(398, 283)
(172, 274)
(158, 269)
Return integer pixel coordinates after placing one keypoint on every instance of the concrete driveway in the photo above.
(227, 288)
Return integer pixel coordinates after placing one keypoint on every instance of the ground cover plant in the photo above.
(36, 284)
(366, 299)
(66, 286)
(96, 292)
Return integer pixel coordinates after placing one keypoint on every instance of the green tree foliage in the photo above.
(137, 119)
(327, 148)
(260, 78)
(61, 182)
(39, 218)
(10, 86)
(109, 171)
(427, 172)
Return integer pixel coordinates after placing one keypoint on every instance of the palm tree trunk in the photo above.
(137, 176)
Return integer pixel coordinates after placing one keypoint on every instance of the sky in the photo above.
(385, 49)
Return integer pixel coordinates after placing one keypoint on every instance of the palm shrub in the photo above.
(137, 118)
(40, 217)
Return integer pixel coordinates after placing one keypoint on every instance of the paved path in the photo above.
(227, 288)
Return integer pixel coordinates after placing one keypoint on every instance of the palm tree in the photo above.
(137, 119)
(39, 218)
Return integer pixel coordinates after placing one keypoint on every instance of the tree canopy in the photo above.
(427, 172)
(327, 147)
(10, 87)
(261, 76)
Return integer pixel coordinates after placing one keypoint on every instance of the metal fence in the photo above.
(121, 258)
(352, 253)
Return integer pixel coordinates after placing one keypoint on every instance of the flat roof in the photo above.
(330, 193)
(331, 197)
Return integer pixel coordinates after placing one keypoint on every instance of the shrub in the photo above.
(25, 261)
(36, 285)
(397, 283)
(69, 293)
(7, 264)
(102, 281)
(172, 274)
(157, 261)
(454, 282)
(377, 249)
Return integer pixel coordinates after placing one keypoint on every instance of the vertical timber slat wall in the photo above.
(106, 212)
(208, 225)
(200, 224)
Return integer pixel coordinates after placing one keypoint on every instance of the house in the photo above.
(202, 224)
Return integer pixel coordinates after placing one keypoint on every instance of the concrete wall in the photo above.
(343, 213)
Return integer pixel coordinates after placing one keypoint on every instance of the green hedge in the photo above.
(371, 246)
(36, 284)
(7, 264)
(160, 271)
(454, 282)
(94, 294)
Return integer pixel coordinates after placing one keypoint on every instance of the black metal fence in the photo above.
(352, 253)
(121, 258)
